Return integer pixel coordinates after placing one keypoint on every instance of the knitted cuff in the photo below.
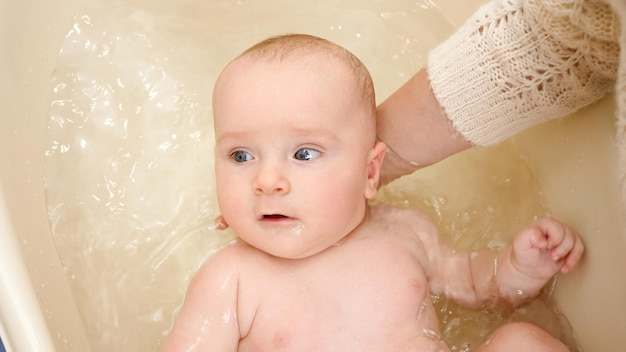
(507, 69)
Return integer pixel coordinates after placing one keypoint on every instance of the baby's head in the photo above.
(318, 56)
(295, 56)
(296, 152)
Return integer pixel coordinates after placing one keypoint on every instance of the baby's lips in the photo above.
(274, 216)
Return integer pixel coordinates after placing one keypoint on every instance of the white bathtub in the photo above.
(37, 310)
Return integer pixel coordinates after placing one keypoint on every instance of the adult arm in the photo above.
(415, 129)
(514, 64)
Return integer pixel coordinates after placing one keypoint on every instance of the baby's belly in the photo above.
(347, 338)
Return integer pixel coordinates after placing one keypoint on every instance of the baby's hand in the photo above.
(544, 247)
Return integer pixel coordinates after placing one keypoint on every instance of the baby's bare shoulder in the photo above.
(226, 271)
(221, 264)
(401, 216)
(228, 261)
(409, 225)
(233, 256)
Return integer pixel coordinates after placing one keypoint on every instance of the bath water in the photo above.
(129, 159)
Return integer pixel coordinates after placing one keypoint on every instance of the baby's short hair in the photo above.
(291, 46)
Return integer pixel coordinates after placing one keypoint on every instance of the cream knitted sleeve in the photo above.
(517, 63)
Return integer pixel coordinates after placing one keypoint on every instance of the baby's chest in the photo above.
(368, 295)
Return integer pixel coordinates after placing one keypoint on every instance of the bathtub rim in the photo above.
(25, 328)
(40, 313)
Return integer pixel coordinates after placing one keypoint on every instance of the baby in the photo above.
(315, 268)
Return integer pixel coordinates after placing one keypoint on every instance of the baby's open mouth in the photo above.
(274, 216)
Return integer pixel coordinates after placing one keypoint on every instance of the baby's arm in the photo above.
(517, 273)
(538, 251)
(208, 318)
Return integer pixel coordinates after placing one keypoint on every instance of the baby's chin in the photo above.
(292, 249)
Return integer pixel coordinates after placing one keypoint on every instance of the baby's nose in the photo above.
(270, 180)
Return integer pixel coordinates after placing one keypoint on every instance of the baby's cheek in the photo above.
(231, 207)
(227, 204)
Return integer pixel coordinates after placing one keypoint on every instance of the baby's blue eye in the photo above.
(306, 154)
(239, 156)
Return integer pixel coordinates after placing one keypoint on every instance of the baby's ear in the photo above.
(375, 163)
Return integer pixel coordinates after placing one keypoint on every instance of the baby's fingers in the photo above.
(566, 246)
(538, 238)
(549, 234)
(562, 242)
(574, 255)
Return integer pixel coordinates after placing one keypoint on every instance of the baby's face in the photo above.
(293, 155)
